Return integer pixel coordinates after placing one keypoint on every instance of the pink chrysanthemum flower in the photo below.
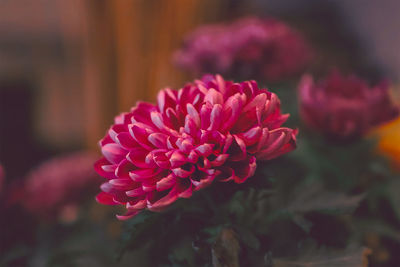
(209, 130)
(344, 108)
(248, 47)
(59, 184)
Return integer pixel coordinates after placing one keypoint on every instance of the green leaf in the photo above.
(317, 258)
(213, 233)
(183, 254)
(392, 193)
(302, 222)
(248, 238)
(379, 227)
(314, 197)
(133, 229)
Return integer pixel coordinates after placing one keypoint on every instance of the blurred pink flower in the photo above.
(344, 107)
(209, 130)
(59, 183)
(248, 47)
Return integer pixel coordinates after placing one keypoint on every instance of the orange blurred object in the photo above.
(389, 141)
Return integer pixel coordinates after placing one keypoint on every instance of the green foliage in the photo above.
(311, 256)
(322, 193)
(302, 209)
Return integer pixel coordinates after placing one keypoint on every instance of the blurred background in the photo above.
(68, 67)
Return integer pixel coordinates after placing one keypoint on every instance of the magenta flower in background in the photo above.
(248, 47)
(57, 185)
(210, 130)
(344, 107)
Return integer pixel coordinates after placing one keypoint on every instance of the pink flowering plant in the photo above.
(252, 47)
(56, 188)
(209, 131)
(216, 173)
(342, 107)
(213, 136)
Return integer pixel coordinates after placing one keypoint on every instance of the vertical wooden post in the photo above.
(99, 68)
(128, 49)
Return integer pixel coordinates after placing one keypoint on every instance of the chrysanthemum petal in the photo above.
(104, 198)
(113, 153)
